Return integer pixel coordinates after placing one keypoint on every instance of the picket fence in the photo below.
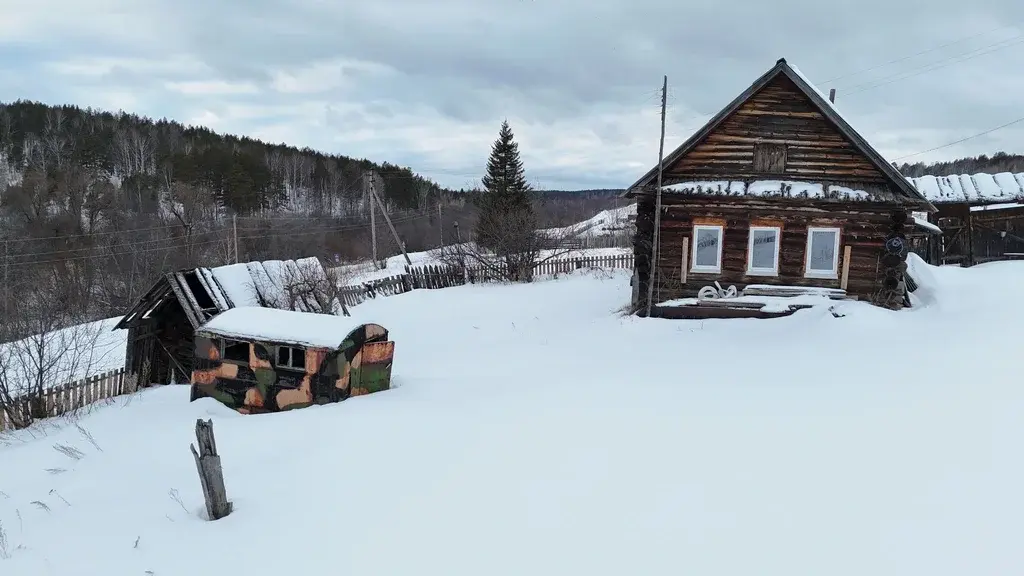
(73, 396)
(434, 276)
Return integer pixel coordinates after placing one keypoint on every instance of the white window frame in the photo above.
(774, 271)
(290, 364)
(716, 269)
(823, 275)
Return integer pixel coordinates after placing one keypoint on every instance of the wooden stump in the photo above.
(210, 472)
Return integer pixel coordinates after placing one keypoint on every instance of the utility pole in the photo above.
(367, 186)
(7, 287)
(234, 234)
(653, 266)
(440, 226)
(462, 256)
(401, 245)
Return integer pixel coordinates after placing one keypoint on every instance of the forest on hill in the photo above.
(94, 205)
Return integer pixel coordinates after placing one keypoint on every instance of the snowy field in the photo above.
(533, 430)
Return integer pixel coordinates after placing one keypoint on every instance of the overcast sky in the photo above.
(426, 83)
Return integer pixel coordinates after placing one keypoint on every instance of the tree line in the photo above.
(94, 206)
(998, 162)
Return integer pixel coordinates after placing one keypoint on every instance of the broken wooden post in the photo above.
(210, 472)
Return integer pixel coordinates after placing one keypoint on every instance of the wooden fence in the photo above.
(433, 276)
(73, 396)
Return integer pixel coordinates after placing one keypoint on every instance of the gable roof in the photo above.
(899, 183)
(206, 292)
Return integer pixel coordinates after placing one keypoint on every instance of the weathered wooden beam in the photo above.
(846, 267)
(211, 475)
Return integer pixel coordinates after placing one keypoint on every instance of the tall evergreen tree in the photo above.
(506, 193)
(505, 174)
(506, 226)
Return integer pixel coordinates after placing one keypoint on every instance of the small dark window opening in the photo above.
(236, 351)
(198, 291)
(291, 357)
(261, 353)
(769, 158)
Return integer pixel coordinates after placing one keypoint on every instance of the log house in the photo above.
(776, 189)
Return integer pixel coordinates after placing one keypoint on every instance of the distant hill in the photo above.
(143, 157)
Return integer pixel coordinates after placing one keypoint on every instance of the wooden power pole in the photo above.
(367, 186)
(401, 245)
(653, 266)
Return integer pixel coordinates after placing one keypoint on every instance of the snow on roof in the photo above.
(923, 223)
(283, 326)
(259, 283)
(784, 188)
(980, 187)
(235, 281)
(991, 207)
(830, 104)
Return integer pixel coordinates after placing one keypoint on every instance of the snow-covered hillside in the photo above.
(606, 222)
(534, 431)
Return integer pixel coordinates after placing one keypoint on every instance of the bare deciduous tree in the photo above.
(312, 287)
(45, 345)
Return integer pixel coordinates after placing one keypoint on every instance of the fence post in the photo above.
(211, 475)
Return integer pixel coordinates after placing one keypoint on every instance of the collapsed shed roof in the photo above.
(205, 292)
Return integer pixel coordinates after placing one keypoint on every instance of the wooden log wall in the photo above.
(779, 114)
(864, 229)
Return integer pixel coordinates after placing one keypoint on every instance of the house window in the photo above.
(235, 351)
(288, 357)
(822, 253)
(763, 251)
(769, 158)
(707, 249)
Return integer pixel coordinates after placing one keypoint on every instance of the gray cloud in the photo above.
(426, 83)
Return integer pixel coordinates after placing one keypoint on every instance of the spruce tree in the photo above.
(506, 203)
(505, 174)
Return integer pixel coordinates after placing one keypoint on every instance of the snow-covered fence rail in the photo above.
(73, 396)
(434, 276)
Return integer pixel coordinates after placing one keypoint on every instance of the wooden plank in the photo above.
(684, 261)
(845, 282)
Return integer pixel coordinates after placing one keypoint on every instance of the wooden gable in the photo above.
(778, 133)
(782, 128)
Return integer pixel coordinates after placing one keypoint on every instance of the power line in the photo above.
(176, 246)
(985, 50)
(914, 55)
(1011, 123)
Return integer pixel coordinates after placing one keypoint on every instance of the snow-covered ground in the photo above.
(353, 274)
(64, 356)
(532, 430)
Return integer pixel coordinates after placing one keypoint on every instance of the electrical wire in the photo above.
(17, 262)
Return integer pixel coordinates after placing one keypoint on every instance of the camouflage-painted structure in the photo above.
(279, 375)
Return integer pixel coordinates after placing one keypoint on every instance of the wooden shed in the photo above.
(981, 216)
(776, 189)
(162, 323)
(267, 360)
